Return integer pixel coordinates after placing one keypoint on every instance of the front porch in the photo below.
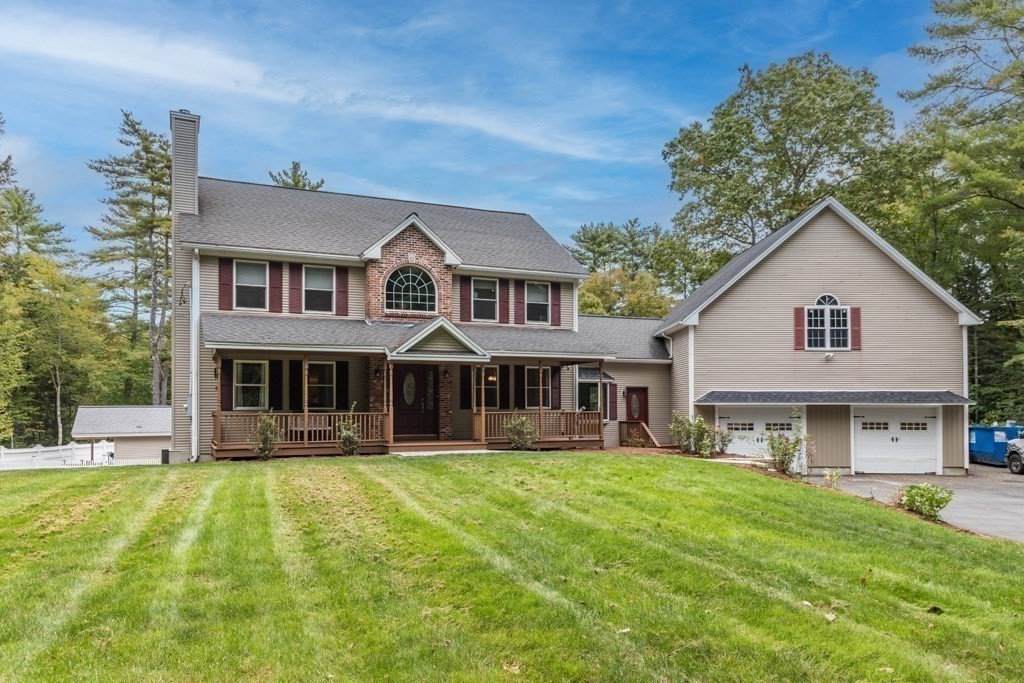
(399, 405)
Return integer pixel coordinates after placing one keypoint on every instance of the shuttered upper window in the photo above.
(318, 289)
(538, 302)
(828, 324)
(485, 299)
(251, 284)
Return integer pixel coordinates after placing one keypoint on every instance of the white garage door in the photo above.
(895, 440)
(749, 424)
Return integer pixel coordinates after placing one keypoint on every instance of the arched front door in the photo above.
(415, 400)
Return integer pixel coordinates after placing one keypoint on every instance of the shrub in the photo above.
(694, 436)
(266, 437)
(927, 500)
(522, 433)
(786, 449)
(832, 478)
(349, 436)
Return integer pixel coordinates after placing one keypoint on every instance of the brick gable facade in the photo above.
(409, 247)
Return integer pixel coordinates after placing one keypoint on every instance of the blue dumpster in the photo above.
(988, 444)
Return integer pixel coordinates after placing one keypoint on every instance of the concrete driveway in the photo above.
(989, 501)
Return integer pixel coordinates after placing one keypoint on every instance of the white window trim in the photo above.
(407, 311)
(334, 303)
(545, 371)
(828, 326)
(526, 302)
(236, 369)
(334, 383)
(473, 300)
(605, 402)
(234, 286)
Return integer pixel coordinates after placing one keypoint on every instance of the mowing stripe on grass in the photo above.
(502, 564)
(52, 622)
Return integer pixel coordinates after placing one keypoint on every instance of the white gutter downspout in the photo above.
(193, 368)
(689, 370)
(967, 408)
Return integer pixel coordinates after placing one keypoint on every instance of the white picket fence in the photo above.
(72, 455)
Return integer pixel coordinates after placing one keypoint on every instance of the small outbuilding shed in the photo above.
(139, 433)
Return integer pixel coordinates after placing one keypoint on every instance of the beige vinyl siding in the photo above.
(911, 339)
(953, 436)
(440, 341)
(207, 397)
(185, 165)
(566, 301)
(209, 276)
(181, 279)
(680, 372)
(706, 412)
(140, 447)
(829, 427)
(655, 376)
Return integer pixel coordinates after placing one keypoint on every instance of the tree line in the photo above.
(947, 190)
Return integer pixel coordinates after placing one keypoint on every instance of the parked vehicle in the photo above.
(988, 445)
(1015, 456)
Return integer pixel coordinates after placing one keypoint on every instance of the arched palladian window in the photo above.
(828, 324)
(410, 288)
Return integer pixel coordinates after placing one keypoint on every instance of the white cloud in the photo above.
(134, 50)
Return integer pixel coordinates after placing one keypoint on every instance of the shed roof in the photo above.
(99, 422)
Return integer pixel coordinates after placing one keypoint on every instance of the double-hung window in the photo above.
(538, 387)
(538, 302)
(828, 324)
(251, 284)
(318, 289)
(321, 385)
(250, 385)
(485, 299)
(587, 393)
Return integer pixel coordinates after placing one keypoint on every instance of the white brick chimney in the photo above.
(184, 162)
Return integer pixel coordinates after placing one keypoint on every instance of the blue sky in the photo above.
(559, 109)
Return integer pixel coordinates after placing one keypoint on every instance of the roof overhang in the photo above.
(964, 315)
(112, 435)
(271, 254)
(311, 348)
(910, 397)
(373, 252)
(497, 270)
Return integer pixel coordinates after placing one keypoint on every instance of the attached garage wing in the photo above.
(896, 440)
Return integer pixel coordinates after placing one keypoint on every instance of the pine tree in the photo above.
(22, 228)
(6, 163)
(295, 177)
(135, 241)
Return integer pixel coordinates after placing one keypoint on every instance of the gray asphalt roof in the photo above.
(630, 338)
(281, 330)
(834, 397)
(238, 214)
(97, 422)
(586, 373)
(711, 287)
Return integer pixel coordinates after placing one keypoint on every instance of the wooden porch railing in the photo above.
(636, 433)
(235, 428)
(551, 424)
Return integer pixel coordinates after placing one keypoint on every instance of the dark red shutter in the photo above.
(276, 384)
(503, 301)
(613, 401)
(799, 320)
(520, 392)
(556, 388)
(276, 285)
(855, 328)
(504, 383)
(465, 387)
(225, 283)
(520, 288)
(341, 385)
(295, 288)
(295, 386)
(341, 290)
(465, 299)
(556, 303)
(227, 376)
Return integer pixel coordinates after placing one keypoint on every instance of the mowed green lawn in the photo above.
(477, 567)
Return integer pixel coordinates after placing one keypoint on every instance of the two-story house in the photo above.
(429, 325)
